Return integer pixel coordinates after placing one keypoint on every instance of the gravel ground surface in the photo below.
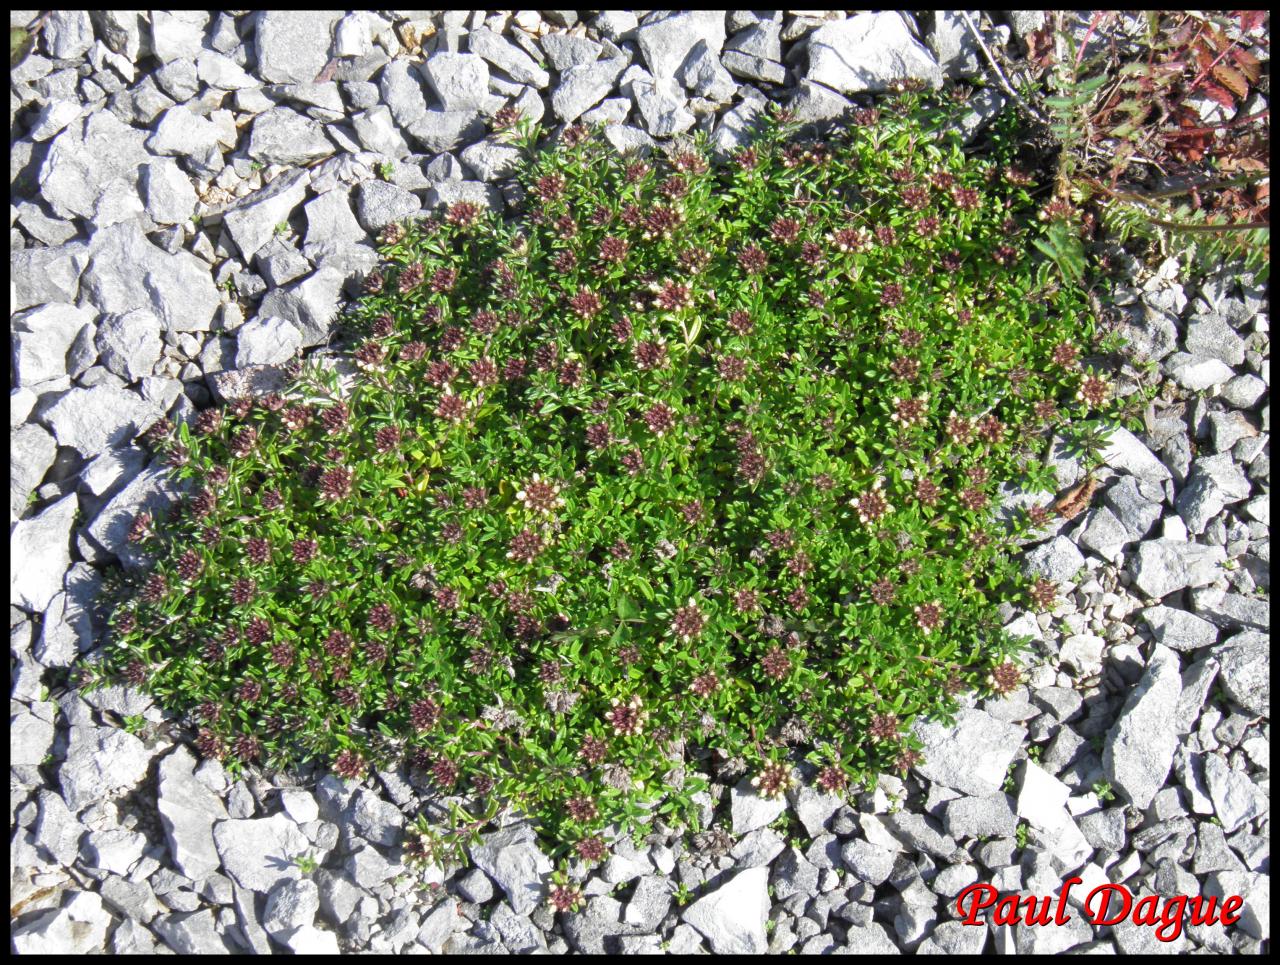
(194, 196)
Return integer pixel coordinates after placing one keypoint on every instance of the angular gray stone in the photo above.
(167, 192)
(266, 341)
(486, 196)
(114, 850)
(89, 158)
(489, 160)
(379, 204)
(129, 345)
(182, 132)
(1125, 451)
(569, 50)
(649, 902)
(220, 71)
(54, 118)
(283, 136)
(43, 544)
(507, 57)
(69, 628)
(1151, 334)
(188, 812)
(953, 44)
(57, 832)
(1212, 336)
(973, 755)
(330, 219)
(437, 130)
(251, 221)
(1195, 372)
(793, 874)
(1244, 660)
(459, 81)
(91, 420)
(1134, 510)
(511, 857)
(663, 106)
(1164, 566)
(759, 847)
(1138, 750)
(1178, 629)
(813, 807)
(750, 810)
(519, 934)
(867, 862)
(1215, 482)
(258, 853)
(153, 491)
(732, 916)
(583, 86)
(100, 762)
(1057, 560)
(869, 52)
(402, 91)
(1236, 799)
(1104, 535)
(377, 131)
(42, 275)
(134, 900)
(753, 67)
(30, 739)
(192, 933)
(67, 34)
(293, 46)
(31, 451)
(441, 922)
(376, 820)
(78, 927)
(127, 272)
(588, 929)
(178, 35)
(666, 41)
(42, 337)
(290, 905)
(978, 817)
(702, 74)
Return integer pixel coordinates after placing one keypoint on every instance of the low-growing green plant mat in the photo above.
(697, 455)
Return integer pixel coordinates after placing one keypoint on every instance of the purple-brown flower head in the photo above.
(1044, 594)
(660, 418)
(774, 780)
(704, 685)
(582, 809)
(928, 616)
(910, 412)
(586, 303)
(525, 546)
(753, 260)
(775, 663)
(1093, 390)
(335, 483)
(424, 713)
(540, 495)
(627, 719)
(688, 621)
(650, 355)
(349, 764)
(872, 505)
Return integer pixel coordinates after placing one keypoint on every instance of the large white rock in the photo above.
(40, 555)
(1139, 747)
(869, 52)
(732, 917)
